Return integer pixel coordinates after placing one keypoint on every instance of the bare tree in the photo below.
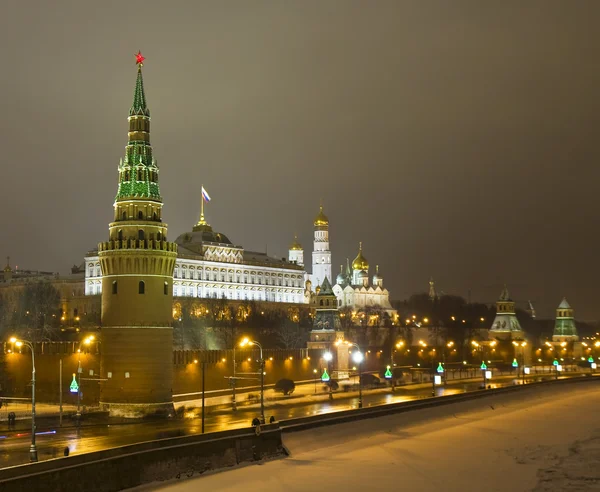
(290, 335)
(39, 312)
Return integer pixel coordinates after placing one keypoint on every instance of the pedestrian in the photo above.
(66, 451)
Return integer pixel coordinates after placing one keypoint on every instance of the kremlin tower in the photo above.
(506, 325)
(137, 282)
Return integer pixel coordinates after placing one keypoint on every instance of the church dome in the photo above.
(340, 279)
(363, 274)
(377, 275)
(202, 235)
(360, 262)
(321, 219)
(295, 246)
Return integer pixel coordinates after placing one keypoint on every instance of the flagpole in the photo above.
(201, 205)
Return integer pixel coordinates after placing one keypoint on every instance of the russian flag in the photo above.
(205, 195)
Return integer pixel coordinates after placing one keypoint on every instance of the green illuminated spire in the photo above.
(139, 106)
(138, 171)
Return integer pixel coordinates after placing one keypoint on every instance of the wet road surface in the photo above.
(14, 446)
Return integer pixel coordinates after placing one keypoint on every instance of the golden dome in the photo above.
(321, 219)
(360, 262)
(295, 246)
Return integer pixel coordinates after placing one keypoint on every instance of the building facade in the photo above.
(210, 266)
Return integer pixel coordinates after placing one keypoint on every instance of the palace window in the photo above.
(140, 215)
(141, 287)
(114, 287)
(166, 289)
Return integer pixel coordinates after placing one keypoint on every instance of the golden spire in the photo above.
(321, 219)
(296, 246)
(360, 262)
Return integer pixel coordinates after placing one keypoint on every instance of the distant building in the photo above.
(354, 290)
(506, 325)
(565, 329)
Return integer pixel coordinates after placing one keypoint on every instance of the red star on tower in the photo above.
(139, 59)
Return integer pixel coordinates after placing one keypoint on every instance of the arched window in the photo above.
(321, 302)
(158, 235)
(154, 216)
(114, 287)
(124, 215)
(140, 215)
(141, 287)
(166, 289)
(141, 235)
(120, 235)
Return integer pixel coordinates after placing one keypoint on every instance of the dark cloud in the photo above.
(455, 139)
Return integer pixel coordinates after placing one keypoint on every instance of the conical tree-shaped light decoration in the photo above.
(74, 386)
(325, 376)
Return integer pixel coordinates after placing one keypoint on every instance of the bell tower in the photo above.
(137, 265)
(321, 257)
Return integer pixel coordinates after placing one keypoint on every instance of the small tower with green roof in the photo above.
(506, 325)
(565, 329)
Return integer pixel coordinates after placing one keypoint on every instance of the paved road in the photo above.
(14, 447)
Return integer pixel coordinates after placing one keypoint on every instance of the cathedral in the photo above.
(353, 289)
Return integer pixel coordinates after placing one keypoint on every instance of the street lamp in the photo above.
(33, 457)
(399, 345)
(243, 343)
(328, 357)
(86, 341)
(358, 357)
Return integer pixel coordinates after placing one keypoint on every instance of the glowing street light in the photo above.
(243, 343)
(33, 457)
(358, 358)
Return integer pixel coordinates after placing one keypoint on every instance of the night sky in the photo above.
(457, 140)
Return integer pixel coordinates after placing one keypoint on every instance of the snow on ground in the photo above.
(541, 440)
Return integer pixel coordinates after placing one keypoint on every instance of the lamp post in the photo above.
(33, 457)
(85, 341)
(399, 345)
(358, 357)
(243, 343)
(315, 373)
(328, 357)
